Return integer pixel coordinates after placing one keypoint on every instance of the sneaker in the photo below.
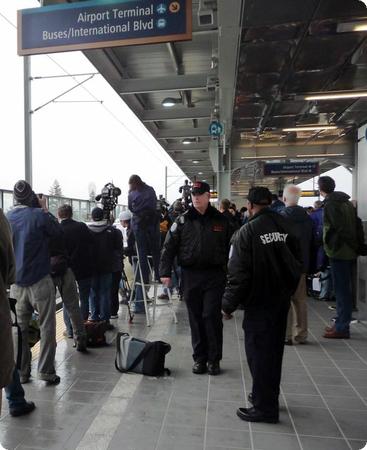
(288, 342)
(115, 316)
(163, 297)
(333, 334)
(27, 408)
(333, 308)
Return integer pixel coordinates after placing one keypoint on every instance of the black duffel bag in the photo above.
(141, 356)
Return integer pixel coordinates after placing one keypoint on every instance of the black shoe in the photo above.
(213, 368)
(54, 381)
(288, 342)
(81, 346)
(27, 408)
(250, 398)
(199, 367)
(109, 326)
(252, 415)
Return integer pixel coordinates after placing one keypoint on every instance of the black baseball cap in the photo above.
(259, 196)
(97, 214)
(199, 188)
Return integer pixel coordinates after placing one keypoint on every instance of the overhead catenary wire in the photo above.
(161, 158)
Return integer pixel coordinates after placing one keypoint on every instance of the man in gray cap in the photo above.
(32, 226)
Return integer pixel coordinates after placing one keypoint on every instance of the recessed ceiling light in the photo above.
(264, 157)
(187, 141)
(320, 155)
(335, 95)
(195, 161)
(169, 102)
(312, 128)
(200, 173)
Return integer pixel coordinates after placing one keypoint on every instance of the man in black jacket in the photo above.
(79, 246)
(200, 240)
(263, 272)
(107, 241)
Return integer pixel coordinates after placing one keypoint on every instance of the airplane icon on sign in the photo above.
(161, 8)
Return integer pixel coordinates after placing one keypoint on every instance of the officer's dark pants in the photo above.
(203, 290)
(264, 344)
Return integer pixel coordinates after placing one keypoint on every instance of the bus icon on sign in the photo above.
(161, 23)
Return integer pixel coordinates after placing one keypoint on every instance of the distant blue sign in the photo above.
(215, 128)
(279, 169)
(102, 23)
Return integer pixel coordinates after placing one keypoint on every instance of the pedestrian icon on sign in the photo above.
(161, 23)
(161, 8)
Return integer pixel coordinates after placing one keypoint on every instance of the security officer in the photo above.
(200, 240)
(263, 272)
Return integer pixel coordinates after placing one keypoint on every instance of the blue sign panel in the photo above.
(101, 23)
(301, 168)
(215, 128)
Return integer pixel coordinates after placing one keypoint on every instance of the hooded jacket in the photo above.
(303, 230)
(107, 247)
(340, 228)
(143, 204)
(265, 263)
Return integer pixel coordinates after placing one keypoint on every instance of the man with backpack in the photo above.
(107, 241)
(264, 270)
(340, 235)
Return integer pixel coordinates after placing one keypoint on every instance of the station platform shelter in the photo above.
(286, 82)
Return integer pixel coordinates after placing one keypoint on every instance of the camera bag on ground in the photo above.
(141, 356)
(95, 333)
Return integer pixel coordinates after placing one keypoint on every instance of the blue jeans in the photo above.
(100, 297)
(326, 284)
(148, 243)
(15, 392)
(341, 272)
(84, 291)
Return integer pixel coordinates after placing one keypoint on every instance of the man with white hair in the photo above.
(303, 231)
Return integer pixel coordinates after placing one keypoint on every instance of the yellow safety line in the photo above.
(60, 328)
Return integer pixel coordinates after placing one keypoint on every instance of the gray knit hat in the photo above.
(22, 192)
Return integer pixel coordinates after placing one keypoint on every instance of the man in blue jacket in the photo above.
(32, 226)
(142, 203)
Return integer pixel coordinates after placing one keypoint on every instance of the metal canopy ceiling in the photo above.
(252, 67)
(288, 49)
(186, 71)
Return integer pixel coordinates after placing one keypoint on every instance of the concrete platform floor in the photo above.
(323, 401)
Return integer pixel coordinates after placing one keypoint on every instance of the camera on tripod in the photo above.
(109, 199)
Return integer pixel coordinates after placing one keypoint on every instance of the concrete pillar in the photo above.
(224, 185)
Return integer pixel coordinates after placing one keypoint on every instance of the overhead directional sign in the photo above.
(102, 23)
(301, 168)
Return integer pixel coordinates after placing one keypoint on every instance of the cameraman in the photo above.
(142, 203)
(32, 227)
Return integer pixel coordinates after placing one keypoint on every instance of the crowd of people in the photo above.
(258, 259)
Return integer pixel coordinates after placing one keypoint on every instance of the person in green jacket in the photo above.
(340, 245)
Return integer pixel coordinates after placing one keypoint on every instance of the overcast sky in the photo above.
(76, 143)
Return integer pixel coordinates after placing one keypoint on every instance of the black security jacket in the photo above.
(199, 241)
(265, 263)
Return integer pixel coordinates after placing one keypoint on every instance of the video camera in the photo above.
(109, 199)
